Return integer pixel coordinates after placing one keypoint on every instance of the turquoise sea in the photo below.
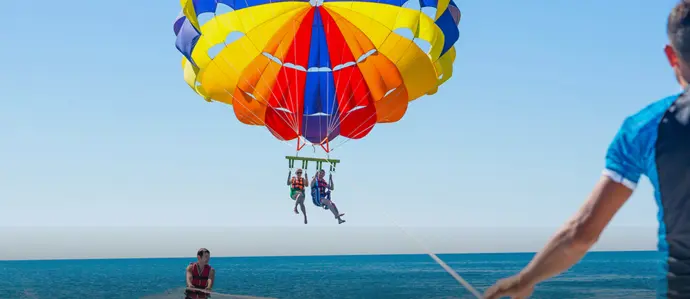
(599, 275)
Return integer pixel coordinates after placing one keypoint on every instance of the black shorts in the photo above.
(195, 295)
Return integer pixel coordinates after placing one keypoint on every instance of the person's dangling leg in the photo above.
(295, 195)
(300, 201)
(334, 209)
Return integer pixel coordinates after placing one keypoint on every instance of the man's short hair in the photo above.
(201, 252)
(678, 29)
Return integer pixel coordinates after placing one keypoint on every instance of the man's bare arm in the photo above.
(579, 234)
(211, 278)
(288, 180)
(188, 276)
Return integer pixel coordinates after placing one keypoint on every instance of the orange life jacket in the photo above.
(297, 183)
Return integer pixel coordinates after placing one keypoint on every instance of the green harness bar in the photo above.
(305, 162)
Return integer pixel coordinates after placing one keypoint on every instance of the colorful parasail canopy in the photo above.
(313, 71)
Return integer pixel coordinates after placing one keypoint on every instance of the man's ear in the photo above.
(671, 55)
(675, 64)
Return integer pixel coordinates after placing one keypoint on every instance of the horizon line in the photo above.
(297, 256)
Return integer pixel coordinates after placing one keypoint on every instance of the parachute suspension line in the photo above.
(296, 92)
(285, 142)
(294, 123)
(390, 112)
(333, 116)
(362, 80)
(336, 121)
(245, 107)
(262, 100)
(368, 127)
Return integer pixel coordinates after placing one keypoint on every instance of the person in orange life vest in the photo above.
(321, 193)
(297, 184)
(200, 276)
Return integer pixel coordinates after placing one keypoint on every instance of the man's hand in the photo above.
(512, 287)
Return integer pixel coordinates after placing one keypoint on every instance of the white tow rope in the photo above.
(441, 263)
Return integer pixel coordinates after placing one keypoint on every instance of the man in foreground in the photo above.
(200, 276)
(654, 142)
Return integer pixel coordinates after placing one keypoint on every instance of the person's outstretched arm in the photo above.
(625, 163)
(188, 276)
(211, 279)
(330, 182)
(306, 179)
(289, 176)
(571, 242)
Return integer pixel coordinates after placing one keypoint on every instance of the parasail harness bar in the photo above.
(305, 162)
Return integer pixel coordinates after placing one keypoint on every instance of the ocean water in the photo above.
(598, 275)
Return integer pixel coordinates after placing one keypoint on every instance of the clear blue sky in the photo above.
(97, 126)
